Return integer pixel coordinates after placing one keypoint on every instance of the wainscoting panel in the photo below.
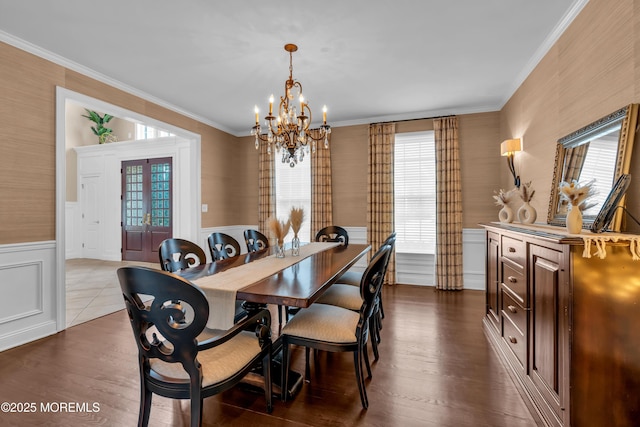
(72, 230)
(28, 290)
(473, 258)
(415, 269)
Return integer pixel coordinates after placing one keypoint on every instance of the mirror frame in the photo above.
(627, 117)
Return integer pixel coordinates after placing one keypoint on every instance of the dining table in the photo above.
(260, 278)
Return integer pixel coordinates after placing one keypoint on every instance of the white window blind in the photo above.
(293, 189)
(415, 192)
(601, 153)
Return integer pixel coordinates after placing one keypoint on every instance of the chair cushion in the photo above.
(218, 363)
(352, 278)
(324, 323)
(341, 295)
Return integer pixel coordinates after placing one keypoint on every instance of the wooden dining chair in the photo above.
(173, 362)
(222, 246)
(333, 233)
(255, 240)
(179, 254)
(346, 294)
(331, 328)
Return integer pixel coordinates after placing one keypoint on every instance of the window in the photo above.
(415, 192)
(601, 152)
(147, 132)
(293, 189)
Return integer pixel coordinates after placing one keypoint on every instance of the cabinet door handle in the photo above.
(512, 250)
(512, 279)
(513, 339)
(512, 309)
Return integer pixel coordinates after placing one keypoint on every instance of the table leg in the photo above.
(295, 378)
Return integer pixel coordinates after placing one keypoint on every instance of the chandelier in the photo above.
(288, 130)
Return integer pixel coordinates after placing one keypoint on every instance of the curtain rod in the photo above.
(413, 120)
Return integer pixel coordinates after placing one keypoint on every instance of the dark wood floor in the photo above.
(435, 369)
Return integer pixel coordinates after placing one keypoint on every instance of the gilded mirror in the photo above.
(600, 151)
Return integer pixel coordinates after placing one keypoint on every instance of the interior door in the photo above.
(91, 208)
(146, 207)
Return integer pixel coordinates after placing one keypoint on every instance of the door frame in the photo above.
(187, 182)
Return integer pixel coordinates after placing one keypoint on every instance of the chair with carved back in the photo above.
(174, 361)
(178, 254)
(333, 233)
(332, 328)
(345, 293)
(222, 246)
(255, 240)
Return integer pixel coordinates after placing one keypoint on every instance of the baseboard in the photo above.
(26, 335)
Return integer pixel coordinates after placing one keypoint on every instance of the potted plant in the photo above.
(103, 133)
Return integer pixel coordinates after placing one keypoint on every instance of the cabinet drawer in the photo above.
(514, 312)
(513, 278)
(515, 340)
(514, 250)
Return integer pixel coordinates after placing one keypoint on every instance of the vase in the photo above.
(527, 214)
(280, 249)
(506, 214)
(574, 220)
(295, 246)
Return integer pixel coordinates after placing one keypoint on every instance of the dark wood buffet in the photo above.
(566, 326)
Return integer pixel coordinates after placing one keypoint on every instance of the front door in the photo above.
(146, 207)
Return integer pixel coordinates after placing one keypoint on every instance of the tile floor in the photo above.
(92, 288)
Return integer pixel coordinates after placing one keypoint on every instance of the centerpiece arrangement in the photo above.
(279, 229)
(578, 198)
(296, 217)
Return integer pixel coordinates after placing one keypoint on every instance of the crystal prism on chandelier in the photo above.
(288, 130)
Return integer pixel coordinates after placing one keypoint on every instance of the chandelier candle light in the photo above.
(289, 130)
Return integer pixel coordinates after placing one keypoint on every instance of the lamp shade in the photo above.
(510, 146)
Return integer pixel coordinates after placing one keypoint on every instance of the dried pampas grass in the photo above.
(526, 192)
(279, 229)
(296, 216)
(502, 197)
(577, 194)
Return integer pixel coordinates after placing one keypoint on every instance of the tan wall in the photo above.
(592, 70)
(27, 147)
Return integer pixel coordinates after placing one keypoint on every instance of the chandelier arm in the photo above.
(262, 137)
(275, 131)
(320, 137)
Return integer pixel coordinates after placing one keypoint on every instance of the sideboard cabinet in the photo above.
(566, 323)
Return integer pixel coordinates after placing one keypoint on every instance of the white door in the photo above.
(91, 207)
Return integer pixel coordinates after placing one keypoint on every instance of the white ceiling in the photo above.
(367, 60)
